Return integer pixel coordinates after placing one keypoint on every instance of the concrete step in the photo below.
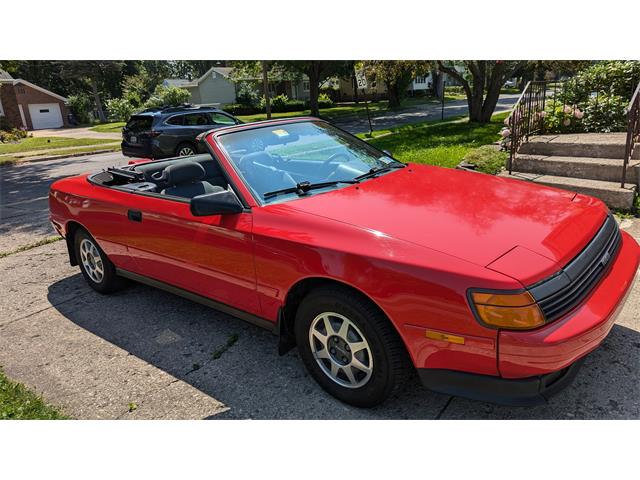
(607, 169)
(594, 145)
(609, 192)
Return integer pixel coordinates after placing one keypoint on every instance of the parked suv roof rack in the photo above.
(179, 108)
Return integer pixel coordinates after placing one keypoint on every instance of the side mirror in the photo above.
(387, 153)
(219, 203)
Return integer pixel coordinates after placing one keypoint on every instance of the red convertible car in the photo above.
(489, 288)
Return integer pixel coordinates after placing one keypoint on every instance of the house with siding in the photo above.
(218, 87)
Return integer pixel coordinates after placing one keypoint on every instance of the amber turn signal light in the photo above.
(518, 311)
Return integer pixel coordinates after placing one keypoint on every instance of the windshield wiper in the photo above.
(303, 187)
(376, 170)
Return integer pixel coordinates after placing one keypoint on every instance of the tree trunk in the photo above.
(97, 101)
(355, 87)
(314, 88)
(392, 93)
(265, 86)
(437, 83)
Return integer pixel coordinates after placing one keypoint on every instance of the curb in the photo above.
(55, 157)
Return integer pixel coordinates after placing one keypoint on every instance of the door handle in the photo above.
(134, 215)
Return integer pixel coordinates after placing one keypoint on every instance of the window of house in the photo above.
(421, 79)
(305, 86)
(1, 110)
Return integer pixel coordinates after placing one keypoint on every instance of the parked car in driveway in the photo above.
(488, 287)
(169, 132)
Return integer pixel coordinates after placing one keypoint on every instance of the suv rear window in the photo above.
(139, 123)
(176, 120)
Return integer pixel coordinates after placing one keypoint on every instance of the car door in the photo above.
(211, 256)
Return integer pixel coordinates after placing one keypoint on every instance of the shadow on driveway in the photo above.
(184, 338)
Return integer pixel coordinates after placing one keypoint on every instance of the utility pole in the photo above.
(265, 86)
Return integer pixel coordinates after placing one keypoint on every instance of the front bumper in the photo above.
(535, 364)
(557, 345)
(519, 392)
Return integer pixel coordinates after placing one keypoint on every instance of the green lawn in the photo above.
(437, 143)
(19, 403)
(45, 143)
(114, 127)
(331, 113)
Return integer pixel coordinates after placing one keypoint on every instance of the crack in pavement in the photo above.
(446, 405)
(53, 305)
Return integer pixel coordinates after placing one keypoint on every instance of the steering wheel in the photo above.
(336, 155)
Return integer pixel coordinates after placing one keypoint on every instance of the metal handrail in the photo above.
(633, 131)
(526, 118)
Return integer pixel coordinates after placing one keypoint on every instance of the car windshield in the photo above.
(281, 162)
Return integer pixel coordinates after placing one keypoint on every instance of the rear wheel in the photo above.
(349, 347)
(185, 150)
(95, 266)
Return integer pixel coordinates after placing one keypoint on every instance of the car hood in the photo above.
(520, 229)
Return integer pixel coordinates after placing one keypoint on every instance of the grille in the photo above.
(561, 293)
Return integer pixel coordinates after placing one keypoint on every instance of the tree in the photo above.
(397, 76)
(317, 71)
(483, 83)
(167, 97)
(97, 74)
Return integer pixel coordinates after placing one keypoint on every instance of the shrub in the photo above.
(120, 109)
(487, 159)
(279, 103)
(238, 109)
(12, 135)
(454, 90)
(247, 95)
(606, 114)
(325, 101)
(81, 105)
(167, 97)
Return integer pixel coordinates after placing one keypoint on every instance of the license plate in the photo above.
(133, 139)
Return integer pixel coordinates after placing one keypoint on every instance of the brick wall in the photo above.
(25, 95)
(10, 105)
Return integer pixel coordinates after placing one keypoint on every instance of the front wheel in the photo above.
(350, 347)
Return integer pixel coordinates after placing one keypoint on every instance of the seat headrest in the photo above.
(184, 172)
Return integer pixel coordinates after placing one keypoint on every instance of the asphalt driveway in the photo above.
(144, 353)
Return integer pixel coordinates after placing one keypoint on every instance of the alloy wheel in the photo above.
(91, 260)
(341, 350)
(186, 152)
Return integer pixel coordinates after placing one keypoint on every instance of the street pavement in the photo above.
(420, 113)
(96, 356)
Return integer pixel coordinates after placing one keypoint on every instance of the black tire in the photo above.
(186, 145)
(391, 366)
(108, 282)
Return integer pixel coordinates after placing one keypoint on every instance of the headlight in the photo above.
(517, 311)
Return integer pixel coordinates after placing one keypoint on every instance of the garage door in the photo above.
(45, 115)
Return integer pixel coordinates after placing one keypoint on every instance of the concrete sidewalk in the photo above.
(76, 132)
(94, 355)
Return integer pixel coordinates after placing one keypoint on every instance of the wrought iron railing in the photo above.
(527, 117)
(559, 106)
(633, 131)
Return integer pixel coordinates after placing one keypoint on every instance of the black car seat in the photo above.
(213, 173)
(184, 179)
(261, 174)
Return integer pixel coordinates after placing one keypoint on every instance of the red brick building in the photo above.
(29, 106)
